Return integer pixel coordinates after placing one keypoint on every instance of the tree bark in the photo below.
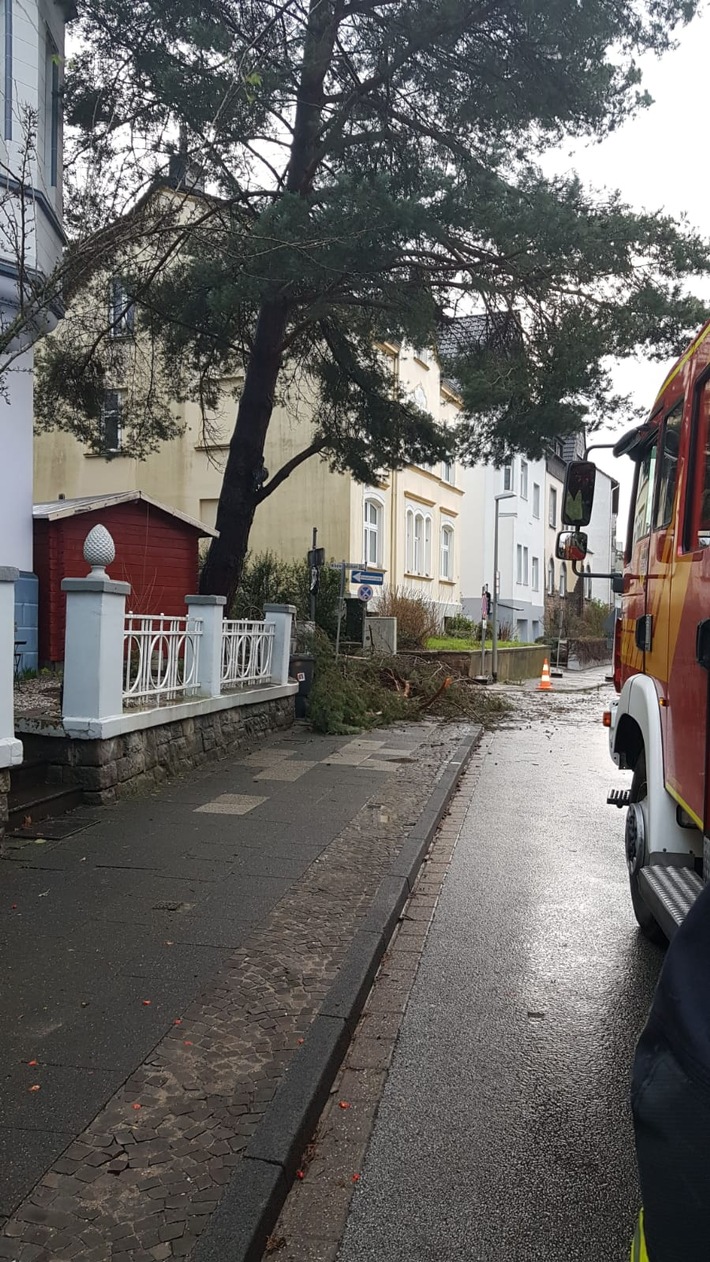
(240, 495)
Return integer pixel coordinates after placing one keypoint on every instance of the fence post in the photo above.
(93, 645)
(281, 618)
(10, 748)
(209, 663)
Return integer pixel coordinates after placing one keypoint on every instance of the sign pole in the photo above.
(341, 600)
(314, 579)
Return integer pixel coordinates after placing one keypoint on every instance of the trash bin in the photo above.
(301, 668)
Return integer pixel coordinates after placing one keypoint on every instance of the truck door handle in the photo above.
(644, 633)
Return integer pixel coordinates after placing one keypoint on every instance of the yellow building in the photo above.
(406, 525)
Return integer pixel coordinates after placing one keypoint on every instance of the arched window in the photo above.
(372, 533)
(446, 567)
(550, 577)
(418, 542)
(563, 579)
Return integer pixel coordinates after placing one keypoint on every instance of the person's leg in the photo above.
(672, 1124)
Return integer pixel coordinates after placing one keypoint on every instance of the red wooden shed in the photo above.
(157, 552)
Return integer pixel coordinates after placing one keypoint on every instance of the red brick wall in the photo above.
(155, 553)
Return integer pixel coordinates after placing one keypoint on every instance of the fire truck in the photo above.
(660, 721)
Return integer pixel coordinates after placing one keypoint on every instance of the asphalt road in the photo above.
(504, 1130)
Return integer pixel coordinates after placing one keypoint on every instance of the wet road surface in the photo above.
(504, 1130)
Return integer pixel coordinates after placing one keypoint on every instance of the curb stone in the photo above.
(249, 1209)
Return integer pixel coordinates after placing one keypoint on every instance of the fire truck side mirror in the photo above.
(572, 545)
(617, 584)
(578, 495)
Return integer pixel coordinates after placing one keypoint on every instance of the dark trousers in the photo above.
(671, 1109)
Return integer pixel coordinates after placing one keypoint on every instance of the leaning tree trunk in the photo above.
(240, 494)
(222, 571)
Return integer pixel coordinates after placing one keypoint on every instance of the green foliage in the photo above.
(356, 693)
(267, 579)
(454, 643)
(580, 619)
(376, 166)
(458, 627)
(347, 696)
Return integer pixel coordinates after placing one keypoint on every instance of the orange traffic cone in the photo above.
(545, 684)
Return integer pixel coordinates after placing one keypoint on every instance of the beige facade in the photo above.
(407, 525)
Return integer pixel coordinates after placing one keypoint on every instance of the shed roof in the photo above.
(56, 510)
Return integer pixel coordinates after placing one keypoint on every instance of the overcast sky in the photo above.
(658, 160)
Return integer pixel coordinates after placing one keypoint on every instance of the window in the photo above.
(409, 535)
(668, 468)
(536, 499)
(507, 477)
(588, 583)
(550, 577)
(563, 579)
(524, 479)
(447, 472)
(420, 398)
(522, 565)
(372, 534)
(418, 542)
(644, 493)
(424, 355)
(52, 109)
(7, 67)
(536, 574)
(553, 507)
(111, 418)
(121, 311)
(697, 534)
(447, 552)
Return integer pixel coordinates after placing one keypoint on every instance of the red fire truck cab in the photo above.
(658, 726)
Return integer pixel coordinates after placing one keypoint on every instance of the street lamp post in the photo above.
(504, 495)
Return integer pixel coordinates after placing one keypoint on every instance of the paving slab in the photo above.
(182, 957)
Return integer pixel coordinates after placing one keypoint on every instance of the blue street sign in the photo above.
(375, 578)
(365, 593)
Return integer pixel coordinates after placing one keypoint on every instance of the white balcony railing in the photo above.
(247, 653)
(161, 657)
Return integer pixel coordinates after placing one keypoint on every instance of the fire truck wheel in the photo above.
(639, 791)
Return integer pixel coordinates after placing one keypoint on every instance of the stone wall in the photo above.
(4, 791)
(513, 664)
(109, 769)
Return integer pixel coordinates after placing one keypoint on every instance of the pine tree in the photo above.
(374, 166)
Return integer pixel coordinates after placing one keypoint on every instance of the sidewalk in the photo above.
(163, 964)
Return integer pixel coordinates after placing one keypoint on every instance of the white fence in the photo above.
(121, 670)
(161, 657)
(247, 652)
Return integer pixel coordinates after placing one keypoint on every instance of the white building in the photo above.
(521, 543)
(601, 531)
(31, 242)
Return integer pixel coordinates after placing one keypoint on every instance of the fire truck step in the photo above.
(669, 894)
(618, 797)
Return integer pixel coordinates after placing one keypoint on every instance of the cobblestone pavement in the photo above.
(314, 1216)
(141, 1180)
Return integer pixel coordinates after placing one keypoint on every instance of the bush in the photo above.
(267, 579)
(460, 628)
(417, 616)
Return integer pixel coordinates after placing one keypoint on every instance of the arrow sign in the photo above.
(374, 578)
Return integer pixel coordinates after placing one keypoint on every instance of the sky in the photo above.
(658, 161)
